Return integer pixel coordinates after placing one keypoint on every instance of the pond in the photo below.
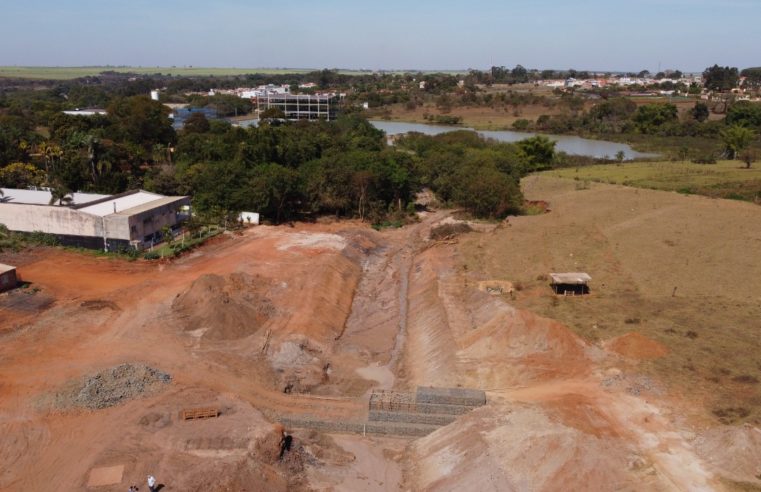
(566, 143)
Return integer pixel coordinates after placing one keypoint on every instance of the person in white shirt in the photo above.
(151, 483)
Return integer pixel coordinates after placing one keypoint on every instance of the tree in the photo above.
(649, 117)
(519, 75)
(51, 155)
(684, 152)
(620, 156)
(21, 175)
(275, 191)
(486, 192)
(196, 123)
(61, 194)
(539, 150)
(167, 235)
(748, 157)
(752, 77)
(273, 113)
(720, 79)
(548, 74)
(744, 113)
(700, 112)
(736, 139)
(140, 121)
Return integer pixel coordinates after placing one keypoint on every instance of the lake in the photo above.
(566, 143)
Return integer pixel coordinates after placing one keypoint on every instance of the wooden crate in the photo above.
(199, 413)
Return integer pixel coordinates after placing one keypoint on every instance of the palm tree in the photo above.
(61, 194)
(50, 153)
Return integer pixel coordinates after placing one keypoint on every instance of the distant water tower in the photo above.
(155, 95)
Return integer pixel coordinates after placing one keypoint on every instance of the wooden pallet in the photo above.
(199, 413)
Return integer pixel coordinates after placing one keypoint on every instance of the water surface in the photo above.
(566, 143)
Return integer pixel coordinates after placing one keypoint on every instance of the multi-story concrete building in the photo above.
(133, 219)
(302, 106)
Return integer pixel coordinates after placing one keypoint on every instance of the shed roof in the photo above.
(570, 278)
(6, 268)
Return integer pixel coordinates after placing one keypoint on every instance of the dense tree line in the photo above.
(285, 170)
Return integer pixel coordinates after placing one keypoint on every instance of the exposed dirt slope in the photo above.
(224, 308)
(581, 423)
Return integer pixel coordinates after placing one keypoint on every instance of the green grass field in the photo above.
(67, 73)
(726, 179)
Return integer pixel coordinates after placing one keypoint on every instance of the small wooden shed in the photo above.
(8, 278)
(571, 283)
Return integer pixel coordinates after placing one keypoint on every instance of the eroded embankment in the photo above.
(554, 414)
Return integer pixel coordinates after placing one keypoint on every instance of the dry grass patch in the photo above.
(679, 270)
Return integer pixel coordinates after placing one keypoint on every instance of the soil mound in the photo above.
(114, 386)
(224, 308)
(637, 346)
(734, 452)
(509, 448)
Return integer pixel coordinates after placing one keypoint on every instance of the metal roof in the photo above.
(570, 278)
(6, 268)
(127, 203)
(158, 202)
(121, 203)
(42, 197)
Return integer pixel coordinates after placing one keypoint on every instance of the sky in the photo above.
(611, 35)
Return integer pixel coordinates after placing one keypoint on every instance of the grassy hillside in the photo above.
(726, 179)
(678, 270)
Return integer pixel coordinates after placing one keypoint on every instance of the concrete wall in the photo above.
(117, 227)
(8, 280)
(152, 221)
(51, 220)
(76, 228)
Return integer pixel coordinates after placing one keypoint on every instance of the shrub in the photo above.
(521, 124)
(447, 231)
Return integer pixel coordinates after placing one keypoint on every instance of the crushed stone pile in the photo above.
(224, 308)
(114, 386)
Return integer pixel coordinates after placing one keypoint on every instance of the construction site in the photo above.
(329, 356)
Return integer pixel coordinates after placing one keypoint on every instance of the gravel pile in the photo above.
(116, 385)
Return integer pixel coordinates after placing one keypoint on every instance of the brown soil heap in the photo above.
(227, 308)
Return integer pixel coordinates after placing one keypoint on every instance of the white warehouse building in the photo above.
(133, 219)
